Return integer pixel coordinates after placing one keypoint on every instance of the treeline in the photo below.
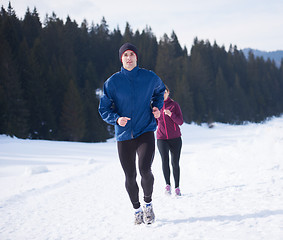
(49, 74)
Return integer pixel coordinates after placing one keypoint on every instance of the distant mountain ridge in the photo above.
(274, 55)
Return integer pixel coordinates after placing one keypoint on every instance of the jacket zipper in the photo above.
(132, 103)
(165, 125)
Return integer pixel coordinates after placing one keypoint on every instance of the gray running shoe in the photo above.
(138, 217)
(148, 214)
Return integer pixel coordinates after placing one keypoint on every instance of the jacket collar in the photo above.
(132, 73)
(168, 100)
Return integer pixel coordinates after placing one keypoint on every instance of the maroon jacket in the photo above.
(168, 127)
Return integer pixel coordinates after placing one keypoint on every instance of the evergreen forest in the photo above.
(51, 74)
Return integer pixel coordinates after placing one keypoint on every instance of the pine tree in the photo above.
(201, 82)
(239, 102)
(42, 119)
(128, 35)
(31, 26)
(148, 48)
(13, 110)
(183, 94)
(11, 29)
(72, 118)
(165, 62)
(223, 106)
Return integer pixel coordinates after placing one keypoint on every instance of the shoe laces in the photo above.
(148, 206)
(139, 217)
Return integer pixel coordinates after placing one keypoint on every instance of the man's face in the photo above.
(129, 60)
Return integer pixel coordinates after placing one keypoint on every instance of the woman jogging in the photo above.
(131, 101)
(169, 140)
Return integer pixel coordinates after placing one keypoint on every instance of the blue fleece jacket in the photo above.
(132, 94)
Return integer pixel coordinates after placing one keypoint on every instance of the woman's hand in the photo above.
(168, 112)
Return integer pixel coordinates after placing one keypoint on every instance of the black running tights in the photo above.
(174, 146)
(144, 147)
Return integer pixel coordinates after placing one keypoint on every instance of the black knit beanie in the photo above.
(125, 47)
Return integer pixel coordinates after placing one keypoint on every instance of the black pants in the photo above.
(174, 146)
(144, 147)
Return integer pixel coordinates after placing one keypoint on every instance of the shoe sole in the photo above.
(149, 222)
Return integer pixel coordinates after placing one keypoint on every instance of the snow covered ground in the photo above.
(231, 180)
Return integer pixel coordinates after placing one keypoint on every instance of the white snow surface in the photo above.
(231, 184)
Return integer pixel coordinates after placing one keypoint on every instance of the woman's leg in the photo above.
(175, 149)
(163, 148)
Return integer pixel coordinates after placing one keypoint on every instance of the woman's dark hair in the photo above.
(167, 88)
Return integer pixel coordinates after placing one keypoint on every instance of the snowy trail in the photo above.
(231, 180)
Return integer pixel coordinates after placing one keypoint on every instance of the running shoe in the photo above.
(138, 217)
(148, 214)
(168, 189)
(177, 191)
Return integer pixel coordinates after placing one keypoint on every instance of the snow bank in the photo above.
(36, 170)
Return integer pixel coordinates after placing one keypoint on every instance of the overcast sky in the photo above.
(256, 24)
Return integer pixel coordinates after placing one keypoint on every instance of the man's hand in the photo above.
(155, 112)
(122, 121)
